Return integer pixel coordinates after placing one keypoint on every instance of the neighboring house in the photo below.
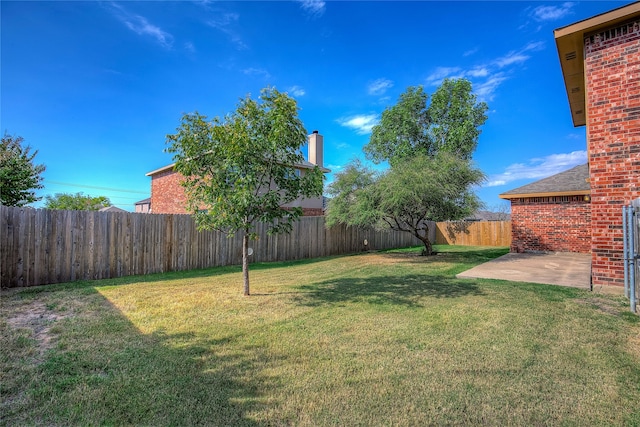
(143, 206)
(489, 216)
(553, 214)
(168, 196)
(600, 59)
(111, 209)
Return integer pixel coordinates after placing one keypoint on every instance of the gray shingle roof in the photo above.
(571, 181)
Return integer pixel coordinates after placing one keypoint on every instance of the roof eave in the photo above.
(547, 194)
(570, 45)
(162, 169)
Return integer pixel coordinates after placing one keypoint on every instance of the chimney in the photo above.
(315, 148)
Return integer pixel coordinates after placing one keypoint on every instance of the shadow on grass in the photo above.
(203, 273)
(455, 254)
(408, 290)
(112, 374)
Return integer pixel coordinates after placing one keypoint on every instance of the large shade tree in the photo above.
(450, 122)
(429, 146)
(20, 177)
(241, 169)
(76, 202)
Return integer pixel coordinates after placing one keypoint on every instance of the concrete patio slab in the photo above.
(558, 268)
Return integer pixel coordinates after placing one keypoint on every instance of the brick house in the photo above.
(168, 196)
(553, 214)
(600, 59)
(143, 206)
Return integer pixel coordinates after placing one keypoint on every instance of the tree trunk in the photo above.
(245, 262)
(428, 248)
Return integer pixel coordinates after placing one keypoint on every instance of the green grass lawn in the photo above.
(387, 338)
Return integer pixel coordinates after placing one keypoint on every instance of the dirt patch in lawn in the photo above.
(35, 317)
(602, 304)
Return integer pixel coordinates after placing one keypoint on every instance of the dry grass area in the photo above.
(373, 339)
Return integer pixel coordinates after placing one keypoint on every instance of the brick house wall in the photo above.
(612, 73)
(551, 224)
(167, 195)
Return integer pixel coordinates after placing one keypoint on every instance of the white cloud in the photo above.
(334, 168)
(533, 46)
(478, 72)
(470, 52)
(141, 26)
(510, 59)
(224, 22)
(314, 8)
(486, 90)
(538, 168)
(486, 78)
(440, 73)
(552, 13)
(189, 47)
(362, 123)
(379, 86)
(257, 72)
(296, 91)
(515, 57)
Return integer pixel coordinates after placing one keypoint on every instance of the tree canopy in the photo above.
(241, 169)
(450, 122)
(76, 202)
(19, 175)
(431, 176)
(406, 196)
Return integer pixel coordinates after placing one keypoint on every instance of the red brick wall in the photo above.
(612, 68)
(551, 224)
(167, 195)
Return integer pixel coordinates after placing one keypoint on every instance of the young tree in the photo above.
(19, 176)
(76, 202)
(240, 170)
(450, 123)
(406, 196)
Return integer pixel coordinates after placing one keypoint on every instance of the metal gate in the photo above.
(631, 238)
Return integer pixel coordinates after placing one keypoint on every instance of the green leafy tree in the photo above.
(429, 148)
(350, 193)
(19, 175)
(241, 169)
(450, 123)
(406, 196)
(76, 202)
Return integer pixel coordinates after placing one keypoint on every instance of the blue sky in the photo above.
(96, 86)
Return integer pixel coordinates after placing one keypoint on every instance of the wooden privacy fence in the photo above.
(474, 233)
(39, 246)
